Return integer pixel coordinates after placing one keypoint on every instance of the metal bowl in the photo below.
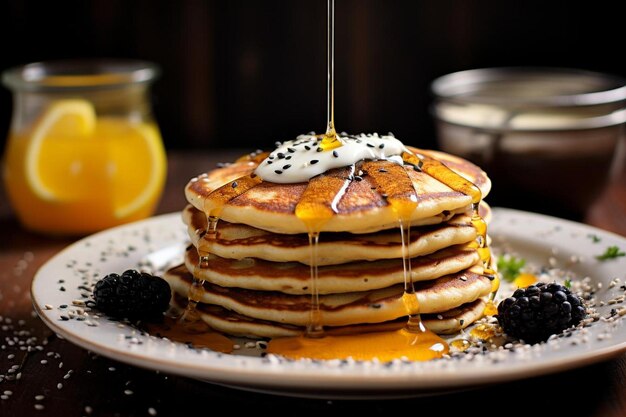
(550, 138)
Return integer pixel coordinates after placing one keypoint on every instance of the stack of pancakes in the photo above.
(258, 280)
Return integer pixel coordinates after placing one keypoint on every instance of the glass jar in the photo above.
(84, 152)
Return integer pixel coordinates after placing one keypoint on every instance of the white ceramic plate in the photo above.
(159, 241)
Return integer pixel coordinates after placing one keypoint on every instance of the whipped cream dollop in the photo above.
(301, 159)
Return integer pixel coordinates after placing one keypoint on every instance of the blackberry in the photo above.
(132, 295)
(536, 312)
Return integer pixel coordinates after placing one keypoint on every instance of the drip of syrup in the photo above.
(403, 199)
(213, 206)
(317, 206)
(445, 175)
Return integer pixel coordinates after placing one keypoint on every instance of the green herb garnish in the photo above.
(509, 267)
(611, 252)
(568, 283)
(594, 238)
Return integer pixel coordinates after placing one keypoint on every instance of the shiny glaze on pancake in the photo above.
(271, 206)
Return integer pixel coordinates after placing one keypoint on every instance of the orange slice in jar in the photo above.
(139, 166)
(50, 155)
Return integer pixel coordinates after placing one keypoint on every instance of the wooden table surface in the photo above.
(60, 379)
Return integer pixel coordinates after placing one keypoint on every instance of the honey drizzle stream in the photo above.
(330, 140)
(445, 175)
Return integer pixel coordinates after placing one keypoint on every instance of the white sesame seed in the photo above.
(88, 409)
(128, 392)
(11, 356)
(59, 385)
(7, 392)
(39, 407)
(4, 397)
(152, 411)
(39, 397)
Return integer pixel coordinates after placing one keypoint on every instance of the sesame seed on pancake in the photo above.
(362, 208)
(236, 324)
(375, 306)
(238, 241)
(294, 277)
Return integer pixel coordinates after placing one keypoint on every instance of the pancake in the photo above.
(294, 277)
(360, 207)
(238, 241)
(236, 324)
(376, 306)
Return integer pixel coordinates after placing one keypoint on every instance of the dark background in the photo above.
(247, 73)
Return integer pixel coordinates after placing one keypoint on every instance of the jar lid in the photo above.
(79, 74)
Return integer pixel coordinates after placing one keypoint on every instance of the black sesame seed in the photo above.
(319, 149)
(359, 141)
(381, 146)
(383, 170)
(278, 171)
(314, 161)
(269, 162)
(291, 150)
(288, 157)
(358, 178)
(234, 184)
(287, 166)
(335, 154)
(384, 196)
(369, 145)
(270, 157)
(307, 147)
(280, 155)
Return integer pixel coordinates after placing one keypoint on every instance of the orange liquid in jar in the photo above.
(72, 172)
